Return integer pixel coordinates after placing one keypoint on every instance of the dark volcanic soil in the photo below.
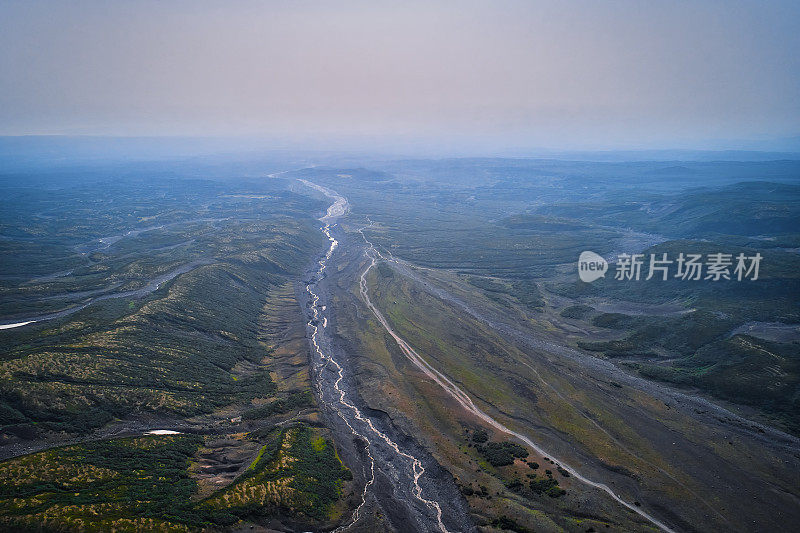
(385, 460)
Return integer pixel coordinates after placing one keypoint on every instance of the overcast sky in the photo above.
(557, 74)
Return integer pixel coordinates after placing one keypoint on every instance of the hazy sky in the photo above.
(558, 74)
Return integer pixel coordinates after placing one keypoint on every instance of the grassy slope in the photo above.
(483, 364)
(225, 339)
(592, 424)
(146, 484)
(526, 228)
(175, 353)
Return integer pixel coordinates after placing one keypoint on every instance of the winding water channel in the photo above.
(363, 427)
(405, 471)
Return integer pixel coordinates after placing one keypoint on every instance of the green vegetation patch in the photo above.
(743, 369)
(538, 486)
(133, 483)
(509, 524)
(293, 400)
(144, 483)
(297, 473)
(502, 453)
(577, 311)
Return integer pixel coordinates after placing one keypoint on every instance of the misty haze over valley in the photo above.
(405, 267)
